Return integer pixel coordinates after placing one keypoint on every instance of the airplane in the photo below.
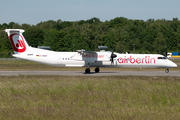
(83, 58)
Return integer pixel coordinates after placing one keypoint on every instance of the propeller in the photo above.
(112, 57)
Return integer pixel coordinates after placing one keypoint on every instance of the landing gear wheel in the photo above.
(87, 70)
(96, 70)
(167, 70)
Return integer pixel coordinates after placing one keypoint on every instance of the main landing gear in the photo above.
(167, 70)
(88, 70)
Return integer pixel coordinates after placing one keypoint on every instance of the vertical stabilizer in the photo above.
(17, 40)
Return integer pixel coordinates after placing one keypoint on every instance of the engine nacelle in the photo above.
(102, 48)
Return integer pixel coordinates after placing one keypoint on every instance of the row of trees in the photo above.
(120, 34)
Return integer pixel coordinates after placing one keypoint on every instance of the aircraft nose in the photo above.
(174, 64)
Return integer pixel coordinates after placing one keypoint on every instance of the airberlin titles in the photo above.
(126, 59)
(145, 59)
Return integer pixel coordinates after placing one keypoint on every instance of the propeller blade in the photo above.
(166, 52)
(112, 57)
(112, 62)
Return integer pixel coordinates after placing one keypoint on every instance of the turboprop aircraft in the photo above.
(83, 58)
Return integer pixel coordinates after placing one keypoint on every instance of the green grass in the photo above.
(23, 65)
(112, 97)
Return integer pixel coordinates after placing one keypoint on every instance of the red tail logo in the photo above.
(17, 42)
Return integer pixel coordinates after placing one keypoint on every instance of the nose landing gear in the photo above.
(167, 70)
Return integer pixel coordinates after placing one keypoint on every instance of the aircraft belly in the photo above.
(106, 63)
(75, 63)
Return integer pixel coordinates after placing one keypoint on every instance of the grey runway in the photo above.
(101, 73)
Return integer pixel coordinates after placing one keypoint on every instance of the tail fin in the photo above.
(17, 39)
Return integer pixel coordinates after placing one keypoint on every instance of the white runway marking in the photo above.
(101, 73)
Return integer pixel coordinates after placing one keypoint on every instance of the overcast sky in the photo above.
(35, 11)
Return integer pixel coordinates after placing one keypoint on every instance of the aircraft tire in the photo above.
(96, 70)
(167, 70)
(87, 70)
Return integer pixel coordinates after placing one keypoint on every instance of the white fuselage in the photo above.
(100, 59)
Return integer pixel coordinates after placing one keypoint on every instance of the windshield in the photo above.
(162, 58)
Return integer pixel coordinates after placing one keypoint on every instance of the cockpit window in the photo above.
(162, 58)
